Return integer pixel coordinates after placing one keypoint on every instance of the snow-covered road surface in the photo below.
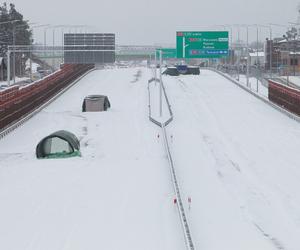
(118, 196)
(238, 159)
(235, 157)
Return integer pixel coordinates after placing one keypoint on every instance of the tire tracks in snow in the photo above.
(222, 159)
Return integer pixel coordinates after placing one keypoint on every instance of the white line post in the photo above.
(160, 83)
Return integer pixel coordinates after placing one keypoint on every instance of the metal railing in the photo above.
(179, 203)
(20, 122)
(183, 218)
(273, 105)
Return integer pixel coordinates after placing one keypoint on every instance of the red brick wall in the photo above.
(284, 96)
(15, 102)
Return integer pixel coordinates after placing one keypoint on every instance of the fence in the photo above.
(284, 96)
(268, 102)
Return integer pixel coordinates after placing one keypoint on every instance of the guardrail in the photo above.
(21, 121)
(273, 105)
(183, 218)
(168, 104)
(180, 207)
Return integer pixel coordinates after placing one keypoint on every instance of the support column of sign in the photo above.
(155, 63)
(160, 83)
(183, 47)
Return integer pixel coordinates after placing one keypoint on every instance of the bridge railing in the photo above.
(17, 102)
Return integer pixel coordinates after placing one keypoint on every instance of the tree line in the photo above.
(14, 30)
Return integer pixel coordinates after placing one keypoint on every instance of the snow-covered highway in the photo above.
(238, 159)
(235, 157)
(118, 195)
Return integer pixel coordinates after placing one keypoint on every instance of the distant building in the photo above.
(285, 54)
(257, 58)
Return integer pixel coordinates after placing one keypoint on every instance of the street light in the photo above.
(247, 48)
(271, 47)
(231, 37)
(242, 48)
(14, 44)
(257, 56)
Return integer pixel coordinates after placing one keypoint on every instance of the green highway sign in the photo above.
(206, 44)
(167, 53)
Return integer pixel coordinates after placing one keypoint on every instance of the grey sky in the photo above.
(154, 21)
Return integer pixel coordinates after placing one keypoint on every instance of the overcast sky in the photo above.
(156, 21)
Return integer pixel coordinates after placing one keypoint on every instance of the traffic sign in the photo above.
(167, 53)
(206, 44)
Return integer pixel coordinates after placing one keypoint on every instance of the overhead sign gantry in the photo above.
(198, 44)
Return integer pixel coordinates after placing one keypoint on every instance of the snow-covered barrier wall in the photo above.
(16, 102)
(284, 96)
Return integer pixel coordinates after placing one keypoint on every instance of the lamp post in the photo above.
(229, 27)
(271, 46)
(14, 45)
(257, 54)
(30, 56)
(238, 47)
(247, 53)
